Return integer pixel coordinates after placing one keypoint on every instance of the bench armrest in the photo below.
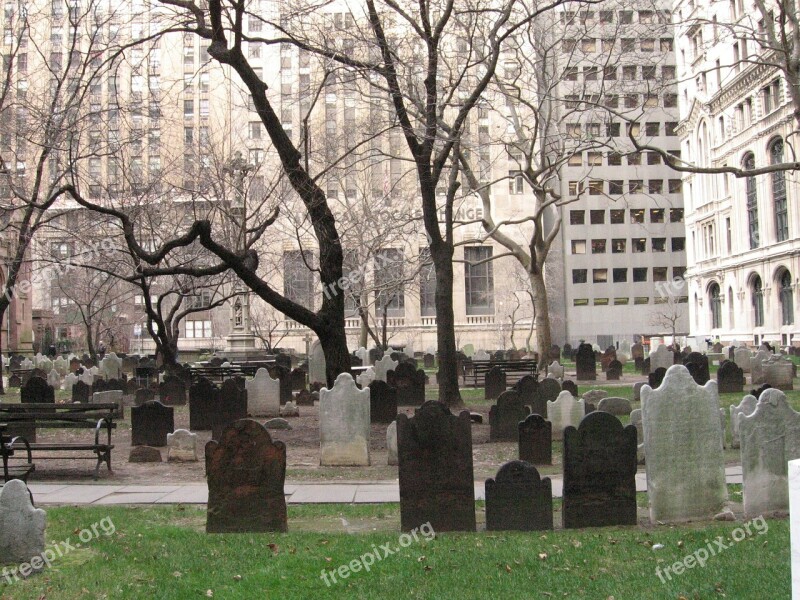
(107, 423)
(27, 447)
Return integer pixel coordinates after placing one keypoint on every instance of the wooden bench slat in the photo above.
(65, 446)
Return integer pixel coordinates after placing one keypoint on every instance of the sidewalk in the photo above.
(367, 492)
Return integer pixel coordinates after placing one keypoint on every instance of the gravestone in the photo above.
(383, 366)
(586, 363)
(290, 409)
(182, 446)
(246, 471)
(756, 369)
(555, 370)
(599, 473)
(730, 378)
(588, 407)
(382, 402)
(505, 416)
(37, 389)
(54, 379)
(655, 378)
(110, 397)
(661, 358)
(637, 390)
(615, 406)
(778, 371)
(429, 360)
(281, 374)
(594, 396)
(494, 383)
(614, 370)
(528, 389)
(362, 354)
(570, 386)
(231, 405)
(111, 367)
(770, 437)
(316, 364)
(61, 365)
(151, 423)
(410, 384)
(203, 400)
(22, 527)
(637, 351)
(636, 421)
(391, 443)
(81, 392)
(535, 440)
(480, 355)
(717, 348)
(518, 499)
(374, 355)
(297, 378)
(565, 411)
(263, 395)
(436, 474)
(741, 356)
(304, 398)
(143, 395)
(745, 407)
(172, 391)
(344, 424)
(144, 454)
(701, 372)
(566, 352)
(608, 356)
(683, 445)
(366, 377)
(548, 390)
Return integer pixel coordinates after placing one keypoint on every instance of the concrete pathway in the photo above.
(367, 492)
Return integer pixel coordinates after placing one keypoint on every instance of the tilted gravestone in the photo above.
(110, 397)
(614, 370)
(535, 440)
(528, 389)
(599, 473)
(436, 474)
(570, 386)
(22, 527)
(263, 395)
(246, 471)
(778, 371)
(566, 410)
(410, 384)
(344, 424)
(151, 423)
(770, 437)
(382, 402)
(730, 378)
(518, 499)
(683, 446)
(494, 384)
(586, 363)
(203, 400)
(172, 391)
(594, 396)
(504, 417)
(745, 407)
(231, 406)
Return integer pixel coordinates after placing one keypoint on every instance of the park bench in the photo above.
(30, 416)
(514, 370)
(16, 471)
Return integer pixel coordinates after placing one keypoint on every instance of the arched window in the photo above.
(779, 192)
(731, 314)
(787, 301)
(758, 302)
(752, 201)
(716, 306)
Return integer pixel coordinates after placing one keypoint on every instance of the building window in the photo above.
(198, 329)
(515, 182)
(598, 246)
(599, 275)
(637, 215)
(787, 302)
(659, 244)
(639, 274)
(678, 244)
(427, 285)
(577, 217)
(620, 275)
(779, 192)
(639, 245)
(659, 273)
(716, 306)
(757, 292)
(751, 194)
(579, 246)
(675, 215)
(618, 246)
(298, 278)
(479, 280)
(617, 216)
(597, 217)
(579, 275)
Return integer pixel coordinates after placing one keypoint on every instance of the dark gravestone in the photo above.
(382, 402)
(504, 417)
(536, 440)
(429, 360)
(435, 469)
(555, 354)
(570, 386)
(498, 355)
(81, 392)
(37, 390)
(637, 351)
(410, 361)
(115, 384)
(203, 400)
(375, 355)
(599, 473)
(14, 381)
(730, 378)
(518, 499)
(588, 407)
(150, 424)
(642, 365)
(246, 471)
(566, 353)
(316, 386)
(700, 372)
(99, 385)
(36, 372)
(732, 350)
(655, 378)
(284, 360)
(74, 365)
(549, 389)
(231, 407)
(410, 384)
(614, 370)
(172, 391)
(495, 383)
(609, 355)
(130, 387)
(758, 391)
(280, 373)
(304, 398)
(528, 389)
(355, 361)
(398, 356)
(215, 362)
(586, 364)
(297, 379)
(143, 395)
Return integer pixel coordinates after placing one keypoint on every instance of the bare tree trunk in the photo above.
(542, 317)
(2, 316)
(447, 377)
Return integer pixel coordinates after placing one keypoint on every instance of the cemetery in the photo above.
(540, 472)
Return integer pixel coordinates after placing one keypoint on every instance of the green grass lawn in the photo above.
(164, 553)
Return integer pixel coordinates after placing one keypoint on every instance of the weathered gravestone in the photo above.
(231, 406)
(37, 390)
(366, 377)
(383, 366)
(741, 356)
(504, 417)
(494, 383)
(778, 371)
(172, 391)
(756, 366)
(382, 402)
(151, 423)
(246, 472)
(683, 445)
(263, 395)
(436, 475)
(637, 390)
(655, 378)
(594, 396)
(555, 370)
(615, 406)
(548, 390)
(745, 407)
(429, 360)
(143, 395)
(182, 446)
(661, 358)
(586, 363)
(305, 398)
(110, 397)
(730, 378)
(281, 375)
(203, 400)
(518, 499)
(528, 389)
(697, 364)
(54, 379)
(614, 370)
(297, 378)
(566, 410)
(599, 473)
(636, 421)
(410, 384)
(570, 386)
(344, 419)
(144, 454)
(770, 437)
(535, 440)
(81, 392)
(316, 364)
(391, 444)
(22, 527)
(608, 356)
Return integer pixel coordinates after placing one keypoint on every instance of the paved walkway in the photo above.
(367, 492)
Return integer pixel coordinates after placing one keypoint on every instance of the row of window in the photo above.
(651, 128)
(625, 301)
(617, 216)
(778, 185)
(597, 187)
(623, 17)
(638, 245)
(785, 299)
(589, 45)
(639, 274)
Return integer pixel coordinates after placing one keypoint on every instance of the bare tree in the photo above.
(668, 313)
